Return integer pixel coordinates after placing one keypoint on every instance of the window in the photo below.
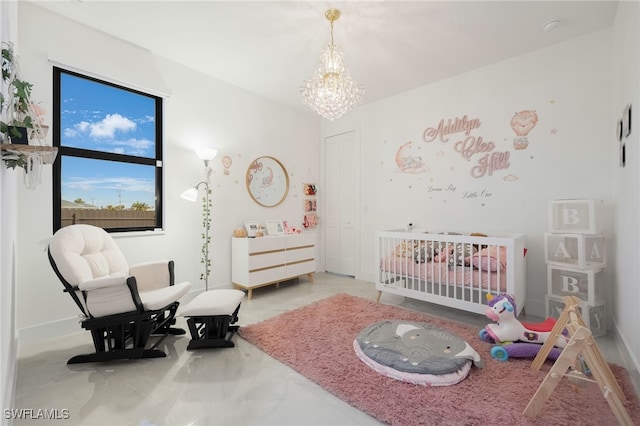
(109, 167)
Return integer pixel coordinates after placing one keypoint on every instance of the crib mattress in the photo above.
(442, 273)
(413, 352)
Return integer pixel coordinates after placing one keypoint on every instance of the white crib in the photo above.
(451, 270)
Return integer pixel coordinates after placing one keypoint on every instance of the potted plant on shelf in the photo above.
(18, 116)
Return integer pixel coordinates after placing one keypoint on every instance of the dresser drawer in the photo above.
(301, 268)
(265, 259)
(262, 244)
(264, 276)
(302, 253)
(299, 240)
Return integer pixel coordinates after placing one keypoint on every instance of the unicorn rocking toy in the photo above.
(515, 338)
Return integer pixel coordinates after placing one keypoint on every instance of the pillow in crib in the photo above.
(457, 254)
(460, 254)
(427, 250)
(490, 259)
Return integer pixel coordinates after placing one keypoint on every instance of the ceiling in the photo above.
(270, 47)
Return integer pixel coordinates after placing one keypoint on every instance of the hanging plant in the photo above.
(20, 119)
(15, 159)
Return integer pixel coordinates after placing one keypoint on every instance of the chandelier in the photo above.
(330, 91)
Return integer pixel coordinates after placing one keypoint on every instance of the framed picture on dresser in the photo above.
(275, 227)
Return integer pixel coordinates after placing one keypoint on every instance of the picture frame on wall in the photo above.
(309, 189)
(275, 227)
(252, 228)
(310, 205)
(626, 121)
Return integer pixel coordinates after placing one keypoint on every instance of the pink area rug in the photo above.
(317, 341)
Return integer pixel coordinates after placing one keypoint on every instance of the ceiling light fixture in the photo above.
(331, 92)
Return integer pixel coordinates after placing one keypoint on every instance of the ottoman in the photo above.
(209, 317)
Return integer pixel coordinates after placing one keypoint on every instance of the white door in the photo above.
(342, 160)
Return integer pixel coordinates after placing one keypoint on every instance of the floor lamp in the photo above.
(191, 194)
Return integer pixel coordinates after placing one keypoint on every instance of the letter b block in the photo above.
(585, 284)
(574, 216)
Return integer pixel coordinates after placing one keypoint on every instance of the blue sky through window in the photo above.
(104, 118)
(102, 183)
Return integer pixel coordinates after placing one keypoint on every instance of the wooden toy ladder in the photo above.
(581, 343)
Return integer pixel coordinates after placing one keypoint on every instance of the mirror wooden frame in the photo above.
(267, 181)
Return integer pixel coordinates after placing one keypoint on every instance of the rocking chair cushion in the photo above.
(158, 299)
(89, 253)
(214, 302)
(104, 282)
(151, 275)
(110, 301)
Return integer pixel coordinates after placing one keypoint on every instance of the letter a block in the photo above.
(573, 217)
(575, 250)
(585, 284)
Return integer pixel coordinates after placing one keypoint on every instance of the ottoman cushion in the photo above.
(213, 303)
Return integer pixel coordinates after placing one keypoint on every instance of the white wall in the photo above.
(200, 110)
(625, 188)
(567, 156)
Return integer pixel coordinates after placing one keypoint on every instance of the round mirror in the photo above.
(267, 181)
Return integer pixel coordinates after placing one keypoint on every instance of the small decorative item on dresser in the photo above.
(252, 228)
(275, 227)
(240, 233)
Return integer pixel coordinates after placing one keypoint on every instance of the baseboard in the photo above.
(49, 330)
(630, 363)
(367, 276)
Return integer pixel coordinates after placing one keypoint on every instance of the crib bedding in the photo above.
(450, 269)
(443, 273)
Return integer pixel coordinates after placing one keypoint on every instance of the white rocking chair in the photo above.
(122, 305)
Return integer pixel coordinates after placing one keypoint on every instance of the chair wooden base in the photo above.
(118, 354)
(125, 336)
(213, 331)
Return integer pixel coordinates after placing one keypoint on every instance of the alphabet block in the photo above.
(575, 250)
(574, 216)
(585, 284)
(594, 316)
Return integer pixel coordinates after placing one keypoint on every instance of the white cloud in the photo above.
(110, 125)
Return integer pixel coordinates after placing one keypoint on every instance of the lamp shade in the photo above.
(206, 153)
(190, 194)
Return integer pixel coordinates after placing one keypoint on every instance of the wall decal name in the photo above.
(457, 125)
(489, 161)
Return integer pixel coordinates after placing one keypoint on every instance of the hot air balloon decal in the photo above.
(522, 123)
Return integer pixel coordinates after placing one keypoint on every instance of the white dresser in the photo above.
(257, 262)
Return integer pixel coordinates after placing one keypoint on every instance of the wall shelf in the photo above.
(47, 153)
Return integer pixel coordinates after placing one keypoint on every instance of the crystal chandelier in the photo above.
(331, 92)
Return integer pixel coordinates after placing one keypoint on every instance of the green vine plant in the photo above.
(206, 238)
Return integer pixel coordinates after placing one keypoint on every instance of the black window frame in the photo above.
(66, 151)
